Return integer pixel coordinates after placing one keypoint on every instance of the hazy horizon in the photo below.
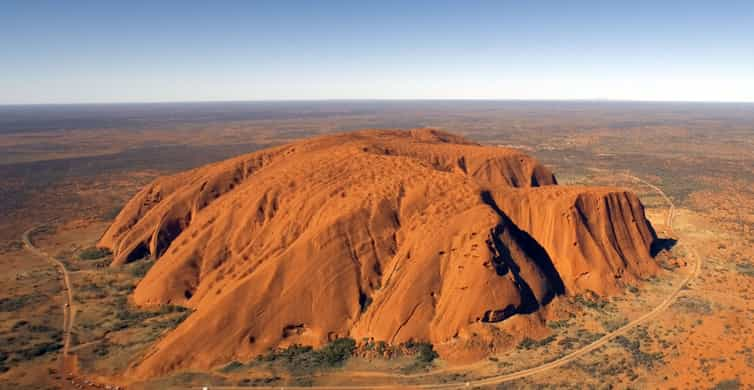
(386, 100)
(77, 52)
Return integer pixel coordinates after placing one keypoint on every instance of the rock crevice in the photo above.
(392, 235)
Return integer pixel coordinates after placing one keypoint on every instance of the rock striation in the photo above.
(394, 235)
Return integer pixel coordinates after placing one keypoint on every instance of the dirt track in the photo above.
(69, 315)
(69, 308)
(602, 341)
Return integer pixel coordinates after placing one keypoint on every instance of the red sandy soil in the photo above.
(394, 235)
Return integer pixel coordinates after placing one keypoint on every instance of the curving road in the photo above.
(69, 310)
(599, 343)
(671, 206)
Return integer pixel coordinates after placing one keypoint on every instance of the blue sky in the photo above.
(102, 51)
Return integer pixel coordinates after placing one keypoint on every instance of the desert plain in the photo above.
(87, 302)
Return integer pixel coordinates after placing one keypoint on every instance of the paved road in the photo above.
(599, 343)
(69, 309)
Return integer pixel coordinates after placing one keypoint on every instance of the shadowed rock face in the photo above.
(394, 235)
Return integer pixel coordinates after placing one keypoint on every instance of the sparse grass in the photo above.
(693, 305)
(423, 351)
(655, 153)
(728, 384)
(39, 349)
(301, 359)
(94, 253)
(380, 347)
(16, 303)
(611, 324)
(559, 324)
(232, 366)
(104, 310)
(607, 370)
(424, 355)
(593, 302)
(745, 269)
(140, 268)
(568, 342)
(587, 336)
(337, 352)
(264, 381)
(26, 341)
(648, 359)
(129, 316)
(528, 343)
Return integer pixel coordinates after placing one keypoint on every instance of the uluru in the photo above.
(390, 235)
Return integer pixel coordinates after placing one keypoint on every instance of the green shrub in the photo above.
(612, 324)
(232, 366)
(745, 269)
(253, 382)
(101, 350)
(693, 305)
(140, 268)
(586, 337)
(41, 329)
(14, 303)
(128, 316)
(528, 343)
(729, 384)
(94, 253)
(559, 324)
(647, 359)
(39, 350)
(593, 302)
(425, 353)
(338, 351)
(305, 359)
(285, 354)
